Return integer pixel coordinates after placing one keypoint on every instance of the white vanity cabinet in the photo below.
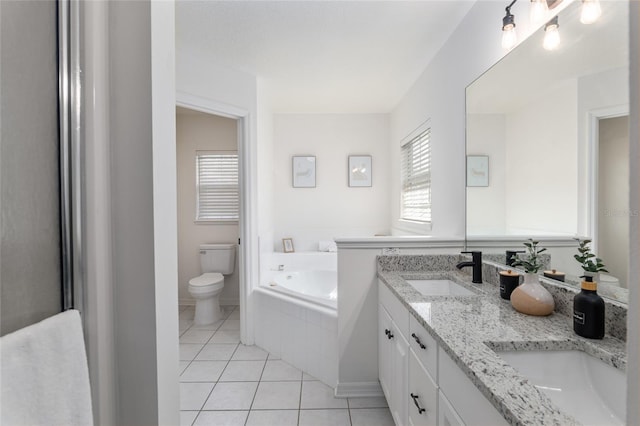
(393, 364)
(422, 384)
(464, 397)
(423, 394)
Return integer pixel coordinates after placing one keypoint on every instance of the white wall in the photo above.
(536, 161)
(595, 93)
(165, 228)
(439, 95)
(613, 196)
(196, 131)
(266, 172)
(358, 306)
(143, 219)
(331, 209)
(486, 134)
(201, 81)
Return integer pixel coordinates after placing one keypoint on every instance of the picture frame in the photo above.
(287, 245)
(360, 171)
(303, 171)
(477, 170)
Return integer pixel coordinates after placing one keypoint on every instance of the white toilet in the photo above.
(215, 260)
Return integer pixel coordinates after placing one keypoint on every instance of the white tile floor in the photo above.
(223, 382)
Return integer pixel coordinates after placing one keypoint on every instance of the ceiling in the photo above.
(322, 56)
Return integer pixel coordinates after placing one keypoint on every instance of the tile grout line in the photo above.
(300, 399)
(349, 412)
(218, 379)
(256, 391)
(216, 382)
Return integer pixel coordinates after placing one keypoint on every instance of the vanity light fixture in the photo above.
(590, 11)
(551, 35)
(509, 37)
(538, 12)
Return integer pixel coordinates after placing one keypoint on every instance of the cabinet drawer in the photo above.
(399, 314)
(424, 346)
(470, 404)
(447, 416)
(423, 394)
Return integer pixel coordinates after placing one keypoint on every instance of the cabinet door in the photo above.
(447, 416)
(423, 394)
(399, 376)
(384, 352)
(470, 404)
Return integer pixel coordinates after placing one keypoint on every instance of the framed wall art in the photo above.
(477, 170)
(304, 171)
(287, 245)
(360, 173)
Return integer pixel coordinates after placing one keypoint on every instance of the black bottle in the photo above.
(588, 311)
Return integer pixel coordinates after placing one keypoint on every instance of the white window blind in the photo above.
(416, 179)
(217, 186)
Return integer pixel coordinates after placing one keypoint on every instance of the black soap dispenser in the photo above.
(588, 311)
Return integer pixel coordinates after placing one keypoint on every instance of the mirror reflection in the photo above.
(554, 126)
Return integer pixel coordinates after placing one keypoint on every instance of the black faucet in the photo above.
(476, 262)
(510, 256)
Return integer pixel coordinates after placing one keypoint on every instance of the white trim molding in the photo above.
(517, 240)
(399, 242)
(248, 260)
(358, 390)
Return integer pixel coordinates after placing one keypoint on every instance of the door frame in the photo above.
(245, 249)
(593, 138)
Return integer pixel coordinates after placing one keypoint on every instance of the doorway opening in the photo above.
(612, 231)
(209, 210)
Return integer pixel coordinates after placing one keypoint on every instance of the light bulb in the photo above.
(590, 12)
(551, 36)
(538, 12)
(509, 36)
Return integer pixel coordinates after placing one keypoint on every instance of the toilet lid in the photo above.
(209, 278)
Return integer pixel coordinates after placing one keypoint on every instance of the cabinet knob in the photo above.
(417, 339)
(415, 401)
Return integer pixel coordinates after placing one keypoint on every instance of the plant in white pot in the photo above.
(531, 297)
(591, 265)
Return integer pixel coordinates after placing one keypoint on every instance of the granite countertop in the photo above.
(469, 328)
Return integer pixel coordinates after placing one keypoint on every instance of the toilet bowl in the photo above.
(216, 260)
(206, 289)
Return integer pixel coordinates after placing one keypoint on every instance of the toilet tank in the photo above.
(218, 258)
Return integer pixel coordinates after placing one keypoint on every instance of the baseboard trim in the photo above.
(223, 302)
(229, 301)
(358, 389)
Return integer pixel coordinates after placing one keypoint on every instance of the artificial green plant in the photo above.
(588, 260)
(530, 261)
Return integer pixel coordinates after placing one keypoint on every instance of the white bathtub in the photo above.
(315, 287)
(296, 317)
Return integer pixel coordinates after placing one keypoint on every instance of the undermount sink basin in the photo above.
(588, 389)
(440, 288)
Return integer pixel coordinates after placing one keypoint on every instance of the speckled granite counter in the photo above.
(469, 328)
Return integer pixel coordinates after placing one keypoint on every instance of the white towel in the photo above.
(45, 378)
(327, 246)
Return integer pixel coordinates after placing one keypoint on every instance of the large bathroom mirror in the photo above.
(554, 127)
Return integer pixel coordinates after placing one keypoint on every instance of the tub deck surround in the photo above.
(470, 328)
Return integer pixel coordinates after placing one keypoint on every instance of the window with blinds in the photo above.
(217, 186)
(416, 179)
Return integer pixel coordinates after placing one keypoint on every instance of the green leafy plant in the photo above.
(588, 260)
(530, 261)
